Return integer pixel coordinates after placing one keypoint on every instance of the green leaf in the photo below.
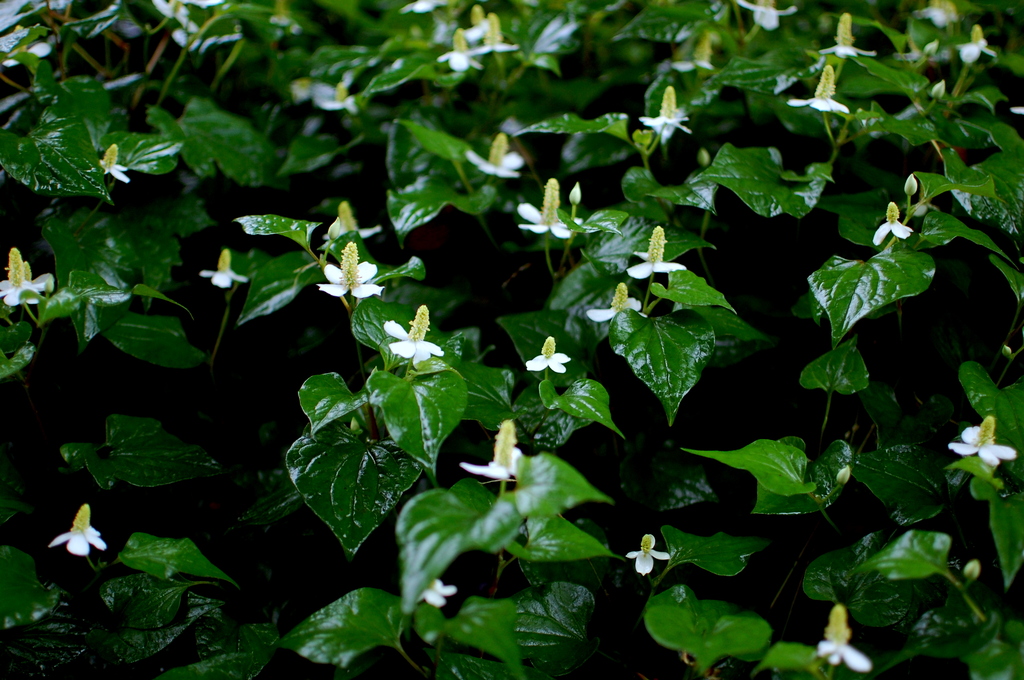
(667, 353)
(790, 656)
(872, 599)
(551, 626)
(165, 557)
(687, 288)
(614, 124)
(300, 231)
(546, 486)
(1006, 212)
(822, 471)
(698, 191)
(358, 622)
(368, 322)
(142, 290)
(438, 143)
(23, 599)
(277, 283)
(419, 413)
(400, 71)
(13, 337)
(780, 468)
(437, 526)
(350, 485)
(896, 427)
(907, 479)
(588, 573)
(611, 254)
(159, 340)
(151, 154)
(61, 304)
(140, 601)
(249, 646)
(586, 399)
(770, 74)
(841, 370)
(1006, 522)
(670, 24)
(489, 394)
(911, 83)
(555, 539)
(735, 339)
(12, 489)
(950, 631)
(57, 158)
(488, 625)
(417, 204)
(709, 630)
(92, 288)
(462, 667)
(664, 481)
(941, 228)
(1013, 277)
(978, 468)
(307, 153)
(720, 554)
(757, 177)
(915, 554)
(326, 398)
(933, 185)
(849, 290)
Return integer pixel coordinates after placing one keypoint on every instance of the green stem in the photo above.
(228, 63)
(824, 421)
(462, 175)
(421, 671)
(547, 255)
(173, 74)
(223, 324)
(700, 251)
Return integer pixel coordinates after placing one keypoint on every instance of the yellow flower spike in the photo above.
(411, 344)
(476, 15)
(548, 358)
(656, 246)
(499, 148)
(110, 157)
(844, 32)
(420, 325)
(827, 84)
(459, 43)
(549, 209)
(977, 35)
(668, 103)
(15, 268)
(505, 449)
(653, 259)
(892, 212)
(82, 519)
(987, 434)
(621, 300)
(340, 92)
(350, 265)
(224, 261)
(702, 52)
(548, 350)
(493, 36)
(346, 218)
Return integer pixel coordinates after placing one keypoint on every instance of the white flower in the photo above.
(646, 555)
(981, 439)
(20, 286)
(351, 276)
(110, 166)
(548, 358)
(423, 6)
(892, 223)
(836, 648)
(620, 302)
(969, 52)
(40, 49)
(412, 345)
(765, 14)
(822, 100)
(480, 25)
(506, 455)
(501, 162)
(545, 219)
(940, 12)
(652, 259)
(224, 277)
(844, 41)
(81, 535)
(461, 56)
(671, 118)
(493, 40)
(1017, 109)
(437, 593)
(334, 98)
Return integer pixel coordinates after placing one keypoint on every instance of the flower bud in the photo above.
(334, 231)
(703, 157)
(576, 195)
(1007, 352)
(931, 49)
(910, 186)
(972, 570)
(939, 90)
(844, 476)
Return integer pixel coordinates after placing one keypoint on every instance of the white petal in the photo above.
(767, 19)
(538, 363)
(529, 213)
(970, 435)
(118, 173)
(337, 290)
(633, 303)
(476, 159)
(799, 102)
(600, 314)
(556, 365)
(1019, 110)
(1002, 452)
(560, 230)
(221, 280)
(63, 538)
(424, 349)
(78, 544)
(512, 161)
(405, 348)
(659, 555)
(963, 449)
(827, 647)
(491, 470)
(434, 598)
(395, 330)
(644, 564)
(458, 61)
(367, 270)
(560, 358)
(881, 233)
(667, 267)
(535, 228)
(332, 273)
(632, 554)
(641, 271)
(93, 537)
(366, 290)
(855, 659)
(901, 230)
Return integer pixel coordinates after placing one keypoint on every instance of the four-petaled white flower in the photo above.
(501, 162)
(110, 166)
(545, 219)
(506, 455)
(969, 52)
(352, 276)
(548, 358)
(81, 536)
(822, 100)
(844, 41)
(20, 286)
(653, 258)
(423, 6)
(670, 119)
(224, 277)
(461, 57)
(437, 593)
(836, 645)
(765, 14)
(646, 555)
(939, 12)
(892, 223)
(411, 344)
(981, 439)
(620, 302)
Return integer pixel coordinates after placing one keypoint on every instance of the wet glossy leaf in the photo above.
(915, 554)
(419, 413)
(488, 625)
(151, 154)
(530, 330)
(667, 353)
(822, 471)
(439, 143)
(300, 231)
(935, 185)
(12, 489)
(757, 177)
(326, 398)
(780, 468)
(277, 283)
(23, 599)
(165, 557)
(588, 573)
(140, 601)
(159, 340)
(896, 427)
(1006, 522)
(672, 24)
(841, 370)
(489, 394)
(908, 81)
(907, 479)
(941, 228)
(569, 123)
(551, 429)
(849, 290)
(687, 288)
(437, 526)
(350, 485)
(611, 254)
(551, 626)
(462, 667)
(1003, 213)
(950, 631)
(586, 399)
(720, 554)
(309, 153)
(1013, 277)
(546, 485)
(790, 656)
(771, 73)
(358, 622)
(555, 539)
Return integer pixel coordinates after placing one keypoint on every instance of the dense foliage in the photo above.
(688, 332)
